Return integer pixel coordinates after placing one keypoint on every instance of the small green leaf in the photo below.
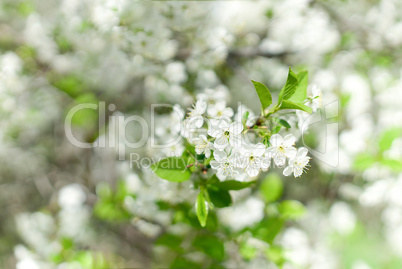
(276, 255)
(292, 209)
(210, 245)
(290, 87)
(181, 262)
(291, 105)
(268, 229)
(363, 161)
(233, 185)
(301, 91)
(170, 240)
(263, 94)
(276, 129)
(201, 207)
(172, 169)
(220, 198)
(395, 165)
(388, 137)
(271, 188)
(283, 123)
(248, 252)
(245, 115)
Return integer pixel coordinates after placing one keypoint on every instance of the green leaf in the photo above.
(363, 161)
(388, 137)
(172, 169)
(291, 105)
(290, 87)
(292, 209)
(276, 255)
(301, 91)
(220, 198)
(201, 208)
(271, 188)
(394, 165)
(170, 240)
(263, 94)
(283, 123)
(181, 262)
(210, 245)
(245, 115)
(276, 129)
(233, 185)
(268, 229)
(247, 252)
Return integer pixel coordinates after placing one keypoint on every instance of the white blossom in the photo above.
(224, 164)
(298, 164)
(195, 115)
(202, 145)
(225, 133)
(314, 99)
(253, 158)
(219, 109)
(282, 148)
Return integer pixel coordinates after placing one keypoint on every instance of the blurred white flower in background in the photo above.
(71, 196)
(341, 218)
(242, 215)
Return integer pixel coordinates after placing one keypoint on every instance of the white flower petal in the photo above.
(291, 162)
(259, 150)
(200, 106)
(271, 151)
(215, 132)
(289, 140)
(235, 141)
(199, 150)
(214, 164)
(290, 152)
(228, 112)
(203, 138)
(287, 171)
(265, 163)
(304, 161)
(302, 152)
(220, 155)
(236, 128)
(279, 160)
(276, 140)
(221, 142)
(221, 176)
(297, 171)
(207, 153)
(253, 171)
(198, 121)
(224, 123)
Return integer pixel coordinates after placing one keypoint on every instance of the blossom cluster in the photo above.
(230, 146)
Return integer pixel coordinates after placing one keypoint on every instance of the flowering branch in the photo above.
(218, 140)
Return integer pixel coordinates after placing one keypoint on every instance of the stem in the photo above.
(262, 111)
(197, 163)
